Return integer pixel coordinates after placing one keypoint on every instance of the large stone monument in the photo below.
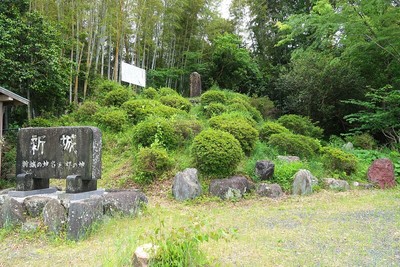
(71, 153)
(195, 84)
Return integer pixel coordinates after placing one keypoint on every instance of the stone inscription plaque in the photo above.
(57, 152)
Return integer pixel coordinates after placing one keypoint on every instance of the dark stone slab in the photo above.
(265, 169)
(270, 190)
(81, 216)
(195, 84)
(125, 202)
(80, 196)
(54, 216)
(233, 187)
(32, 192)
(58, 152)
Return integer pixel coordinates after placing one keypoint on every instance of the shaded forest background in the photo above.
(322, 59)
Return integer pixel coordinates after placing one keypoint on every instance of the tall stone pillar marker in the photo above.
(195, 84)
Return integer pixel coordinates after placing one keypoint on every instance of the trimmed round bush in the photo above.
(214, 109)
(112, 118)
(152, 162)
(264, 105)
(300, 125)
(269, 128)
(338, 160)
(150, 93)
(86, 111)
(295, 144)
(140, 109)
(117, 97)
(213, 96)
(237, 115)
(164, 91)
(239, 128)
(240, 104)
(186, 128)
(155, 130)
(102, 87)
(176, 101)
(216, 153)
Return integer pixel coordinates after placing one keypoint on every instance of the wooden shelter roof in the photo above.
(10, 98)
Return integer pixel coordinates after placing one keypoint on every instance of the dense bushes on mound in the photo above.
(86, 111)
(102, 87)
(213, 96)
(155, 130)
(150, 93)
(111, 118)
(214, 109)
(264, 105)
(117, 97)
(176, 101)
(363, 141)
(139, 109)
(186, 128)
(240, 104)
(152, 162)
(295, 144)
(38, 122)
(337, 160)
(239, 128)
(216, 153)
(164, 91)
(269, 128)
(300, 125)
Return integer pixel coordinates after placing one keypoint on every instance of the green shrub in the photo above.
(102, 87)
(338, 160)
(176, 101)
(295, 144)
(152, 162)
(155, 130)
(264, 105)
(284, 173)
(239, 128)
(213, 109)
(164, 91)
(269, 128)
(8, 159)
(113, 119)
(140, 109)
(300, 125)
(237, 115)
(241, 104)
(86, 111)
(216, 152)
(117, 97)
(39, 122)
(186, 128)
(364, 141)
(212, 96)
(150, 93)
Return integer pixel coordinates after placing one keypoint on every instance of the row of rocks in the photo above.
(74, 216)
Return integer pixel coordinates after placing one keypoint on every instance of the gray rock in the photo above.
(339, 185)
(124, 202)
(81, 216)
(265, 169)
(288, 158)
(348, 146)
(143, 254)
(34, 205)
(30, 226)
(302, 184)
(186, 185)
(270, 190)
(5, 191)
(233, 187)
(11, 213)
(54, 216)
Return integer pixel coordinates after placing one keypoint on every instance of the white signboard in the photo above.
(133, 75)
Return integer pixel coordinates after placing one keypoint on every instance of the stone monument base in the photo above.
(32, 192)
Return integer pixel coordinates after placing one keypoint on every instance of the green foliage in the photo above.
(284, 173)
(155, 130)
(176, 101)
(86, 111)
(140, 109)
(39, 122)
(186, 127)
(216, 153)
(300, 125)
(260, 151)
(337, 160)
(241, 104)
(112, 119)
(102, 87)
(214, 109)
(380, 113)
(152, 162)
(117, 97)
(150, 93)
(237, 115)
(211, 96)
(269, 128)
(295, 144)
(8, 159)
(364, 141)
(264, 105)
(165, 91)
(239, 128)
